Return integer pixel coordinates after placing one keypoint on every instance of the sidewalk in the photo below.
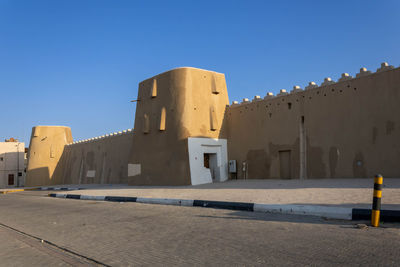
(349, 193)
(16, 189)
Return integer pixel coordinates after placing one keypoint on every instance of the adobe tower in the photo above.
(179, 118)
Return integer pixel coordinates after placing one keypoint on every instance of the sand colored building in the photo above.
(187, 133)
(12, 165)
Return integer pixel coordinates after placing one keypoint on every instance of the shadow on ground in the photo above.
(273, 217)
(261, 184)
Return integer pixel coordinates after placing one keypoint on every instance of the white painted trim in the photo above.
(197, 147)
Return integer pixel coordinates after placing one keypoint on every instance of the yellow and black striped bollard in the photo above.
(376, 204)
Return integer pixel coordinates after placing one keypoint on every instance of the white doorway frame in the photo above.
(197, 148)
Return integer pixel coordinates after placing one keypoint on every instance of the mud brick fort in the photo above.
(186, 132)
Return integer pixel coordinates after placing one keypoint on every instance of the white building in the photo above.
(12, 164)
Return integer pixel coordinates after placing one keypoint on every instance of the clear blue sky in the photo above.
(78, 63)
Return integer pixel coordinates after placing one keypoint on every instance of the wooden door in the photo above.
(11, 179)
(285, 164)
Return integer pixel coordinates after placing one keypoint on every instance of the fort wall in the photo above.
(185, 132)
(100, 160)
(349, 128)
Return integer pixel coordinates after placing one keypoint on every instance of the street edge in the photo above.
(341, 213)
(41, 189)
(309, 210)
(19, 190)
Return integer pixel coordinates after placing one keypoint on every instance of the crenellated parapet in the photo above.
(345, 77)
(100, 138)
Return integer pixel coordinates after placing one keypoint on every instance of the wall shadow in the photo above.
(274, 217)
(240, 184)
(38, 177)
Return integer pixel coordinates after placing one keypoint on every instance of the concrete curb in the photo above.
(308, 210)
(321, 211)
(385, 216)
(58, 188)
(19, 190)
(41, 189)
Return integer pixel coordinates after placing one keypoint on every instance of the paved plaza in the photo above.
(353, 193)
(132, 234)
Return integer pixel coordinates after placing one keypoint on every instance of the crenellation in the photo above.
(384, 67)
(256, 98)
(327, 81)
(363, 72)
(269, 95)
(245, 101)
(345, 77)
(296, 89)
(283, 92)
(311, 85)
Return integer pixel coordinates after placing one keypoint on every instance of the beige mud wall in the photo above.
(172, 106)
(54, 159)
(101, 160)
(350, 129)
(45, 150)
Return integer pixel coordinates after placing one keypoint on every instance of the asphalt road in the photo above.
(90, 233)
